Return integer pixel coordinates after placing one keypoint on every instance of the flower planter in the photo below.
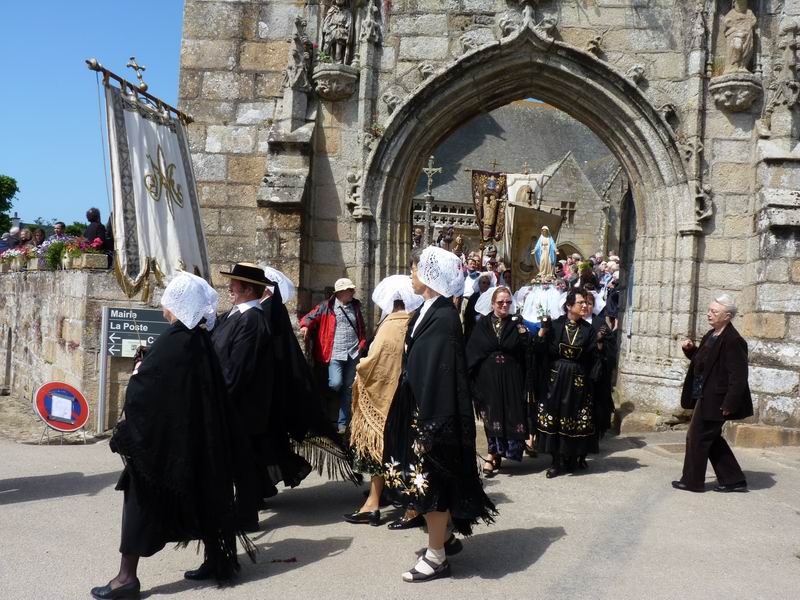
(36, 264)
(5, 267)
(93, 261)
(66, 261)
(17, 263)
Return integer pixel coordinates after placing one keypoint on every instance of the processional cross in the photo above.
(132, 64)
(430, 171)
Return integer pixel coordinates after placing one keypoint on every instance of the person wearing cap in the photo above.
(429, 437)
(176, 442)
(339, 337)
(241, 341)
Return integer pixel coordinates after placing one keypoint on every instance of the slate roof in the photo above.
(521, 131)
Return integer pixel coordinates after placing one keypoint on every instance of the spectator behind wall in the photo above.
(95, 229)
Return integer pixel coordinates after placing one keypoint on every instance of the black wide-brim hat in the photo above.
(247, 272)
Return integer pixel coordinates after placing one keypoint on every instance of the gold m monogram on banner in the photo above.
(161, 178)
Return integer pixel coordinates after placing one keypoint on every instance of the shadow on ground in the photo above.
(495, 554)
(41, 487)
(759, 480)
(271, 560)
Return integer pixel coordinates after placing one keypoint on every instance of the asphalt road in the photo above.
(619, 531)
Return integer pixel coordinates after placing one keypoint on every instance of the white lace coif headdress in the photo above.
(440, 270)
(285, 284)
(191, 299)
(484, 303)
(396, 287)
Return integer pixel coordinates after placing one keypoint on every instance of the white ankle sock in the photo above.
(435, 556)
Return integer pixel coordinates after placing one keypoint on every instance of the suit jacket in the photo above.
(244, 350)
(725, 384)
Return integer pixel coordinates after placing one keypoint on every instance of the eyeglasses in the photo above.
(503, 302)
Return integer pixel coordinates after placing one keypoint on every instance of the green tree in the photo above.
(8, 190)
(76, 228)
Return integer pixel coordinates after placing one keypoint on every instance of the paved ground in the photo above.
(616, 532)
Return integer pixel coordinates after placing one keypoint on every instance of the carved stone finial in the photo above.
(704, 203)
(371, 28)
(427, 70)
(636, 73)
(469, 42)
(296, 74)
(594, 45)
(699, 27)
(392, 100)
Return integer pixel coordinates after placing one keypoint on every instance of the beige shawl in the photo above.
(377, 376)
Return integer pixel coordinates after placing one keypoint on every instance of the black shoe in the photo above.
(451, 547)
(740, 486)
(129, 590)
(372, 517)
(552, 472)
(679, 485)
(404, 523)
(201, 573)
(582, 463)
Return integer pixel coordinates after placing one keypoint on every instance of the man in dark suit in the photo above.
(241, 341)
(716, 388)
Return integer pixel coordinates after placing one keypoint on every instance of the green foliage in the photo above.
(76, 228)
(8, 189)
(52, 257)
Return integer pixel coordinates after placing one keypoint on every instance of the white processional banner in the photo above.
(157, 224)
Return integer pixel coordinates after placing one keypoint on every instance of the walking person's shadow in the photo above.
(498, 553)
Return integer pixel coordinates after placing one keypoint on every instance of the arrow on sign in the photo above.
(113, 350)
(112, 338)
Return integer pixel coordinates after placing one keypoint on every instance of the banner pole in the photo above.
(101, 383)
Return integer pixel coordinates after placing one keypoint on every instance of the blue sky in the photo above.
(49, 128)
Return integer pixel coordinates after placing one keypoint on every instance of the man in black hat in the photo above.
(242, 343)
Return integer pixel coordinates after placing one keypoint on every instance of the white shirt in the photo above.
(423, 309)
(245, 306)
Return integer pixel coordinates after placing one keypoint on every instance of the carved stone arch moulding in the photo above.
(528, 63)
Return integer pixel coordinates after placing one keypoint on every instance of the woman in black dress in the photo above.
(177, 446)
(496, 357)
(429, 438)
(568, 349)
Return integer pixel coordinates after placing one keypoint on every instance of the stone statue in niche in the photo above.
(740, 26)
(337, 32)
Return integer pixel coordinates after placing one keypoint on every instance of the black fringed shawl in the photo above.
(297, 406)
(176, 440)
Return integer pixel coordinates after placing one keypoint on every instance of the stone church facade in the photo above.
(313, 120)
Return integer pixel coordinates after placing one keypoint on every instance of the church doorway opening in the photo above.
(493, 183)
(527, 64)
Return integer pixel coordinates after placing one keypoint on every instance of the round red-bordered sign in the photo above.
(61, 406)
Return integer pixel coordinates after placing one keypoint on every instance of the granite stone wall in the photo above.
(321, 187)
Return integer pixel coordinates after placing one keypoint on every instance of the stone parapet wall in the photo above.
(50, 326)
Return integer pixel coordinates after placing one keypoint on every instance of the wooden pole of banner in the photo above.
(138, 88)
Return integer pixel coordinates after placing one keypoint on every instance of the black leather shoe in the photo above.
(129, 590)
(679, 485)
(404, 523)
(740, 486)
(201, 573)
(552, 472)
(372, 517)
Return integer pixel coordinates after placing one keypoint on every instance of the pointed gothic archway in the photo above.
(528, 63)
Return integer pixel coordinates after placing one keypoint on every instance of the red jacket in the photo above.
(322, 321)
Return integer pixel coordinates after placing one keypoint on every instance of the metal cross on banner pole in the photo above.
(430, 171)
